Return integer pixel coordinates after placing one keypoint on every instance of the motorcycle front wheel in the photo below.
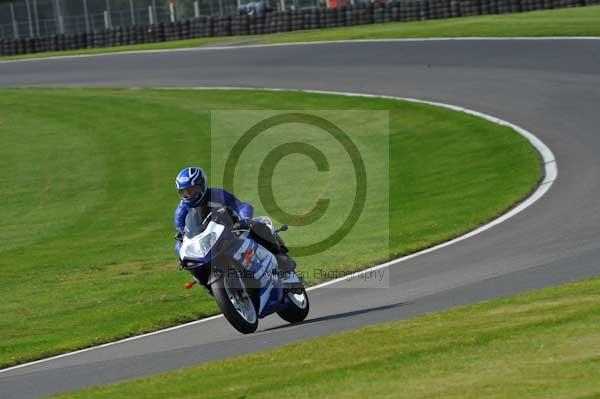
(235, 302)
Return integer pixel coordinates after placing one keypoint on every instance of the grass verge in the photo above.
(87, 186)
(537, 345)
(583, 21)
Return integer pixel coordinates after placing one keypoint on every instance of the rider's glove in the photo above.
(179, 235)
(242, 224)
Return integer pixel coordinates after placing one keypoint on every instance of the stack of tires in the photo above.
(75, 42)
(297, 20)
(312, 19)
(169, 31)
(272, 22)
(256, 25)
(378, 14)
(203, 27)
(469, 8)
(142, 34)
(365, 14)
(424, 10)
(239, 25)
(411, 11)
(487, 7)
(350, 16)
(455, 9)
(222, 26)
(439, 9)
(99, 39)
(330, 19)
(284, 22)
(7, 47)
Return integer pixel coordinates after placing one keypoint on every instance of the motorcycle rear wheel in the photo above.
(236, 303)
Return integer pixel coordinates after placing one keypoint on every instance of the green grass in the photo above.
(175, 44)
(563, 22)
(87, 199)
(537, 345)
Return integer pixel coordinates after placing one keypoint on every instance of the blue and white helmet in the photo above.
(191, 184)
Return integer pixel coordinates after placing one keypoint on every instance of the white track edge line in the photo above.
(319, 42)
(550, 175)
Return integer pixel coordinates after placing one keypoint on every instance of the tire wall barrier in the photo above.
(275, 22)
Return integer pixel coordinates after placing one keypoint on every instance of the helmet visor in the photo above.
(189, 193)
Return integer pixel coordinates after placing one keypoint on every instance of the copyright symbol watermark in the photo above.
(279, 153)
(323, 173)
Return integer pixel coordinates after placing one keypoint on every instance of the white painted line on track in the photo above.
(320, 42)
(550, 175)
(111, 343)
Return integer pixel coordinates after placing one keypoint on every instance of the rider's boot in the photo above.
(285, 263)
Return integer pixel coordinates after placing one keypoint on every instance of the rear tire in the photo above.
(236, 303)
(297, 309)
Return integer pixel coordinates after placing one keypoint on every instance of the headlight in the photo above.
(199, 248)
(200, 245)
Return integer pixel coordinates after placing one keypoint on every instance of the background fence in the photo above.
(38, 18)
(134, 28)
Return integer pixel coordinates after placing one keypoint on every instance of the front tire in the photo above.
(236, 303)
(298, 307)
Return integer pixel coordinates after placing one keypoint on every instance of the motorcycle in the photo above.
(246, 279)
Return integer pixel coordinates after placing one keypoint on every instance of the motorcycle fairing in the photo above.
(263, 265)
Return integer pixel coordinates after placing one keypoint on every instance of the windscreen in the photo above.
(193, 223)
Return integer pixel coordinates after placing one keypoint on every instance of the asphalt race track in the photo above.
(549, 87)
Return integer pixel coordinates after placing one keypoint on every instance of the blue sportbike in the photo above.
(241, 274)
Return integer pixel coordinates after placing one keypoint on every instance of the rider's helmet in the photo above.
(191, 184)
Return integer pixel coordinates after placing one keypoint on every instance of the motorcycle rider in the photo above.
(194, 193)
